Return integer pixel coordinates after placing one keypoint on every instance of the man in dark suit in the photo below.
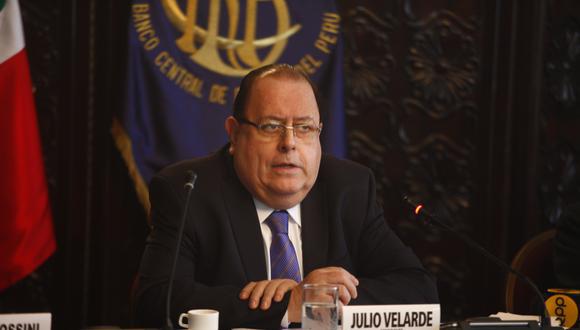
(333, 230)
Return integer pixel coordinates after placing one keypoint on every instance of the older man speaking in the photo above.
(269, 214)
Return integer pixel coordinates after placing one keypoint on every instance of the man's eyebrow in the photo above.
(305, 118)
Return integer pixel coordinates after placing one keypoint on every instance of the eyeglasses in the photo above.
(273, 129)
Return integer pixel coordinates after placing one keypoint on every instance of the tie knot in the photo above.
(278, 222)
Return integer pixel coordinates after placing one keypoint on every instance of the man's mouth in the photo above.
(284, 165)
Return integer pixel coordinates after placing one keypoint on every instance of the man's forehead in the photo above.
(285, 93)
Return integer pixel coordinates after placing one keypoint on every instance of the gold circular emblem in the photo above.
(204, 45)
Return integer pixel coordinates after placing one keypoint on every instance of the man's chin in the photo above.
(289, 189)
(285, 197)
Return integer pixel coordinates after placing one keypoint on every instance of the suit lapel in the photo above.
(314, 230)
(245, 225)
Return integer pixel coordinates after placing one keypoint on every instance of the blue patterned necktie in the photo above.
(283, 260)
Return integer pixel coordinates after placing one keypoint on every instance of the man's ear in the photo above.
(231, 126)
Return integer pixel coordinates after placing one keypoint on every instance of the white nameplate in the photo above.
(33, 321)
(390, 317)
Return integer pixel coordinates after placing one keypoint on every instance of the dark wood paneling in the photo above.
(559, 147)
(445, 103)
(414, 82)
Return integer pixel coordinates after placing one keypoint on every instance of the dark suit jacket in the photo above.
(222, 248)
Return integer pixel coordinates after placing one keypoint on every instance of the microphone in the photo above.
(190, 178)
(427, 217)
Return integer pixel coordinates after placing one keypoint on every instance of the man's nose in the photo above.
(288, 139)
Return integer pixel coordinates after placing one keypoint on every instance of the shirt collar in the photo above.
(264, 212)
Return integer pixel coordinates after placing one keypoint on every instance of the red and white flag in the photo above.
(26, 233)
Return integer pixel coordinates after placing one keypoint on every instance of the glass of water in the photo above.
(320, 307)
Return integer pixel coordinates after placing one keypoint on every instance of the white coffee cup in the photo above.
(200, 319)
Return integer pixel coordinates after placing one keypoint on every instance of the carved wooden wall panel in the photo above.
(471, 107)
(412, 76)
(559, 182)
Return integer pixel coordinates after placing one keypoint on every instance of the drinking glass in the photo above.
(320, 307)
